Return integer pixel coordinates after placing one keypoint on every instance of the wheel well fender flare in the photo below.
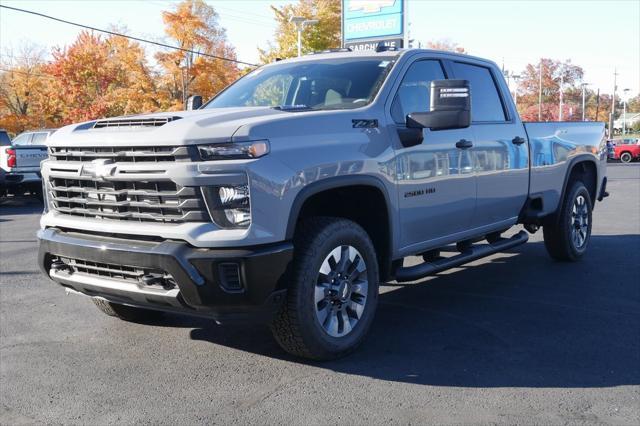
(575, 162)
(336, 182)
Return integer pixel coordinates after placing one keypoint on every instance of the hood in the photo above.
(164, 128)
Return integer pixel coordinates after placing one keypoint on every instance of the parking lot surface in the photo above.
(514, 338)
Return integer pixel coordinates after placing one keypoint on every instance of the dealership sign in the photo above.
(365, 23)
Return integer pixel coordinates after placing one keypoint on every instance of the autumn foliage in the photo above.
(104, 76)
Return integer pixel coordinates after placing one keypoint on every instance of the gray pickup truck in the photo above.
(294, 192)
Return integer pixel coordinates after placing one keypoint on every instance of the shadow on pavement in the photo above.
(521, 320)
(19, 205)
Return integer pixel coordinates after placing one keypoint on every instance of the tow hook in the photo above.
(60, 266)
(531, 228)
(151, 279)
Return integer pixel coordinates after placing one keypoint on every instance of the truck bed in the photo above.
(553, 146)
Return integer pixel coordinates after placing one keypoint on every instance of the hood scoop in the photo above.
(134, 122)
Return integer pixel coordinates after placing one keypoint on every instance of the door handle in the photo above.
(518, 140)
(464, 144)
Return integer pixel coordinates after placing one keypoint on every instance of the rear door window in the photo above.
(486, 104)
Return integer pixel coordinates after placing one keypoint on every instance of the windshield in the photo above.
(323, 84)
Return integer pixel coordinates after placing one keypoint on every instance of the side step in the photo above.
(412, 273)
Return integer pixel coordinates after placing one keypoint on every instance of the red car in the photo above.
(626, 150)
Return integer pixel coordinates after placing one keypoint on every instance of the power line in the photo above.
(222, 58)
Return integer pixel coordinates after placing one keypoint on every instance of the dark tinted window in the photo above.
(4, 138)
(485, 100)
(413, 94)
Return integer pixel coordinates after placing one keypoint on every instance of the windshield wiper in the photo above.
(292, 108)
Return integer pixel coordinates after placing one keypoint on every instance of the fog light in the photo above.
(229, 206)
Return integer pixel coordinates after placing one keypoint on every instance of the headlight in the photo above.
(229, 206)
(234, 150)
(45, 195)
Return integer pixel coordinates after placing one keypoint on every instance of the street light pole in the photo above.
(301, 23)
(540, 92)
(624, 111)
(515, 77)
(561, 84)
(583, 103)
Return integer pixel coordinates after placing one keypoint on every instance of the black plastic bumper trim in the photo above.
(195, 270)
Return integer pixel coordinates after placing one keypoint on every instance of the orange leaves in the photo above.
(98, 76)
(193, 25)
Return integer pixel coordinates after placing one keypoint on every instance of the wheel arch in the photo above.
(585, 167)
(360, 188)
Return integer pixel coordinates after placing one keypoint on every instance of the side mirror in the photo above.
(194, 102)
(450, 107)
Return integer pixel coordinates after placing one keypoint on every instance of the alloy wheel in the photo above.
(341, 291)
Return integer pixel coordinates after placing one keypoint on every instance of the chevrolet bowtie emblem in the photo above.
(98, 169)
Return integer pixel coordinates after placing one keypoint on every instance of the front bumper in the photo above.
(199, 284)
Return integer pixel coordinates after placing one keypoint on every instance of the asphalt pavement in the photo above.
(513, 339)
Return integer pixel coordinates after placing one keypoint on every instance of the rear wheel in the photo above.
(333, 291)
(127, 313)
(567, 235)
(625, 157)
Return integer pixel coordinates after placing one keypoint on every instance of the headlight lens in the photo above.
(229, 206)
(45, 195)
(234, 150)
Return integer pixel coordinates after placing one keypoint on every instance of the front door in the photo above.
(435, 180)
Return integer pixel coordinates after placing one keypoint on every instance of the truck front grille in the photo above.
(153, 154)
(132, 274)
(141, 201)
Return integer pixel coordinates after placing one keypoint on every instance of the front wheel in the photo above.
(625, 157)
(567, 235)
(333, 292)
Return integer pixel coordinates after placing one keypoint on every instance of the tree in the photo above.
(553, 72)
(445, 44)
(20, 87)
(324, 35)
(98, 77)
(193, 25)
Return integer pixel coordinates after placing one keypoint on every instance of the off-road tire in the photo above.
(295, 327)
(127, 313)
(558, 230)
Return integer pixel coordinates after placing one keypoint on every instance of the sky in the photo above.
(599, 35)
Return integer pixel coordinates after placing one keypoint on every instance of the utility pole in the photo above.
(301, 23)
(598, 104)
(540, 92)
(613, 101)
(584, 85)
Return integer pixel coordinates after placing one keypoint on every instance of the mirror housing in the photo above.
(450, 107)
(194, 102)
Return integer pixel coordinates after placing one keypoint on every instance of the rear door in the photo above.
(500, 150)
(435, 180)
